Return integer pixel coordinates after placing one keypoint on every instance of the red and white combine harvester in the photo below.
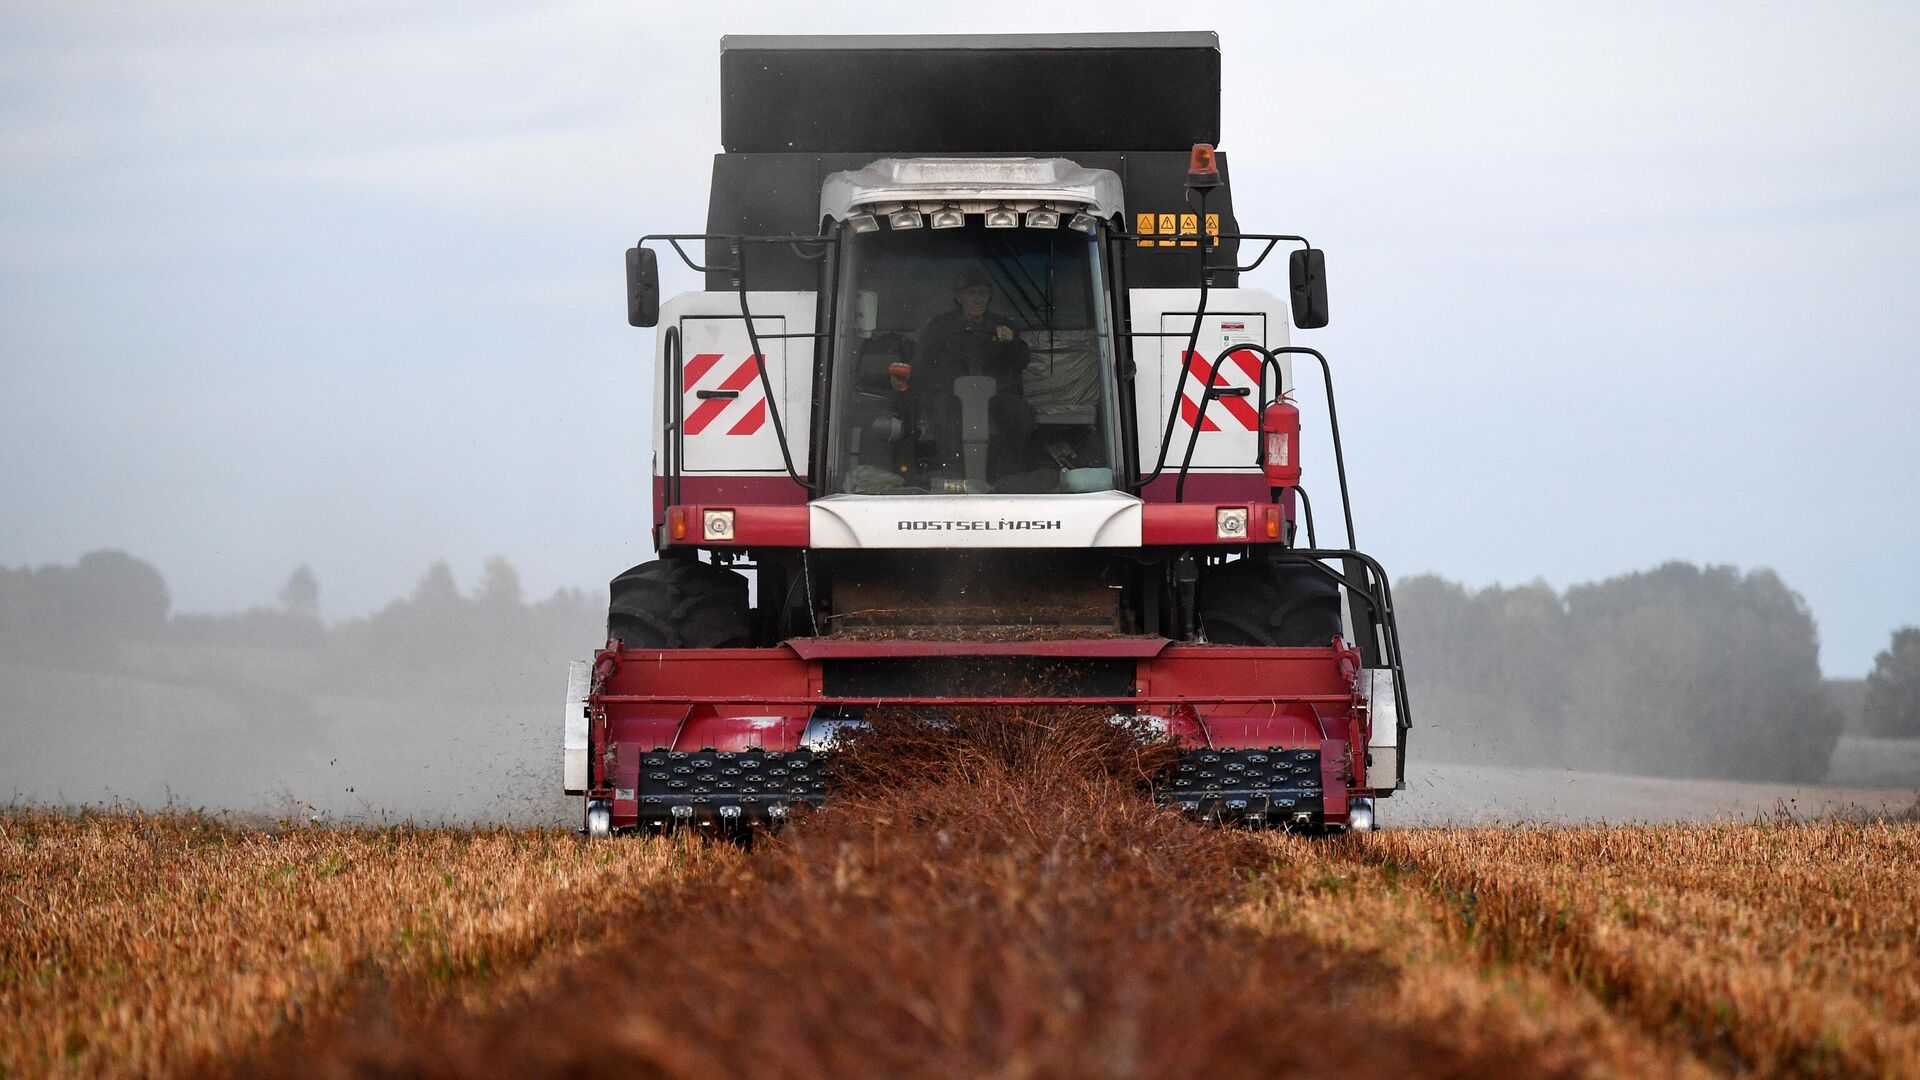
(973, 411)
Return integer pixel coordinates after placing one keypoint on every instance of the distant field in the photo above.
(1451, 793)
(1006, 920)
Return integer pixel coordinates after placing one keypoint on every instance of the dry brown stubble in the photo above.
(1769, 949)
(1336, 895)
(163, 943)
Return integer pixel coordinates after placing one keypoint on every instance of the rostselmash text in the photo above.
(978, 525)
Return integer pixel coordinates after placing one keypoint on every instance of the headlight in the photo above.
(1002, 217)
(1230, 523)
(718, 524)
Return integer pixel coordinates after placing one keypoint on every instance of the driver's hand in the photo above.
(1003, 333)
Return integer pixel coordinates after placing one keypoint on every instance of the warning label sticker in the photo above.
(1150, 227)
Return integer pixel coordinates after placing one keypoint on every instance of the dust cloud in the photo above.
(444, 706)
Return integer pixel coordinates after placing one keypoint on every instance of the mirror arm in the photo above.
(1272, 240)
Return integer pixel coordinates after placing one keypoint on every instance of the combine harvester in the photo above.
(973, 411)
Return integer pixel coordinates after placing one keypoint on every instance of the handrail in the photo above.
(677, 394)
(1306, 509)
(1333, 424)
(1382, 602)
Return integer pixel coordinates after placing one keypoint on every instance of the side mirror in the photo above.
(1307, 271)
(643, 287)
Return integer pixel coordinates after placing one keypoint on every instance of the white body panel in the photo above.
(735, 435)
(1384, 744)
(1228, 436)
(1089, 520)
(573, 742)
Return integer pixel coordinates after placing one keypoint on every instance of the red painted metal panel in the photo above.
(1269, 703)
(1164, 521)
(709, 490)
(740, 699)
(1307, 694)
(1178, 523)
(1296, 686)
(1198, 523)
(820, 648)
(1334, 779)
(1213, 487)
(753, 526)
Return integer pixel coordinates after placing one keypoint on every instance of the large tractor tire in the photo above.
(1257, 602)
(679, 604)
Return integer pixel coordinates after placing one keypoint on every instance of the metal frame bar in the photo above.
(964, 702)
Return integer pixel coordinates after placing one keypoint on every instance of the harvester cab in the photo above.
(973, 411)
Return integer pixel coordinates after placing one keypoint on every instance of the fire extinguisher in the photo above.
(1280, 442)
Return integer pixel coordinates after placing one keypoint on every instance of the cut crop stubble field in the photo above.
(991, 898)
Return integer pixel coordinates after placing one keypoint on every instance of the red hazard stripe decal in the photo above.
(711, 408)
(751, 422)
(1249, 362)
(1190, 412)
(696, 367)
(1240, 408)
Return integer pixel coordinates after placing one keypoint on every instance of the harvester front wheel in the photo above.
(1255, 601)
(679, 604)
(599, 819)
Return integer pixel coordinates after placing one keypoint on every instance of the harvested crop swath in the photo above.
(160, 943)
(990, 897)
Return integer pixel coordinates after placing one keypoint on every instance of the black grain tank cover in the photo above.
(795, 109)
(969, 94)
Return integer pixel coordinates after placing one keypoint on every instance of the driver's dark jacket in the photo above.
(951, 345)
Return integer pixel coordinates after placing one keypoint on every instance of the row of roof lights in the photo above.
(952, 217)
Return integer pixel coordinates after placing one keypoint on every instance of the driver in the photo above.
(971, 339)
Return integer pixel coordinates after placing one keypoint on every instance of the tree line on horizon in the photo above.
(1676, 671)
(438, 636)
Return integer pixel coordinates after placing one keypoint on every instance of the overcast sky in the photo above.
(1611, 284)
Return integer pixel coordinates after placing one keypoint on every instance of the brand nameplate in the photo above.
(976, 525)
